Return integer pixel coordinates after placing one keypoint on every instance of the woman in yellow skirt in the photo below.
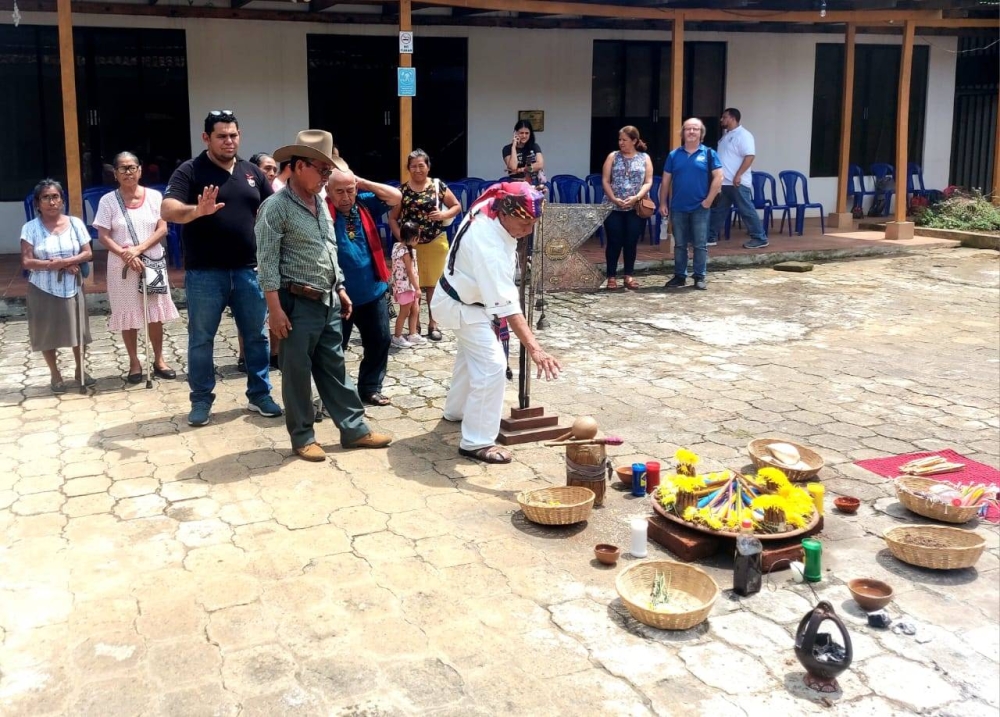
(428, 203)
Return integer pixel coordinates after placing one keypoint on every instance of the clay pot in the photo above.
(818, 653)
(847, 504)
(607, 554)
(624, 474)
(870, 594)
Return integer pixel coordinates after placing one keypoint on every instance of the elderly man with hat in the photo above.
(306, 298)
(477, 285)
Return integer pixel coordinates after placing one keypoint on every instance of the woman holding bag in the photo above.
(128, 224)
(627, 178)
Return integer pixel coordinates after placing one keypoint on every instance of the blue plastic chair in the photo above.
(594, 181)
(917, 188)
(856, 186)
(789, 183)
(461, 192)
(568, 189)
(655, 221)
(91, 200)
(881, 170)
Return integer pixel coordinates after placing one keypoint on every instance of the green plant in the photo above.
(964, 211)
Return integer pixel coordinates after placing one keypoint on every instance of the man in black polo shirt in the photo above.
(216, 196)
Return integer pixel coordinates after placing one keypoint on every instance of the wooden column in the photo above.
(842, 216)
(676, 81)
(996, 159)
(405, 103)
(67, 67)
(900, 228)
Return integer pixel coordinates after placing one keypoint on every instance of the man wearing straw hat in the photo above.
(478, 284)
(306, 299)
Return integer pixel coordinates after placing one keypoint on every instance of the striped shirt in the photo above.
(47, 245)
(295, 245)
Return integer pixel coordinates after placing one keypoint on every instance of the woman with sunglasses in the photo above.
(125, 265)
(53, 247)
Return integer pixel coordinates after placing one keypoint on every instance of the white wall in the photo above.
(769, 77)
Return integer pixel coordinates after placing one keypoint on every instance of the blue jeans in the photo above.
(209, 292)
(743, 199)
(691, 229)
(372, 320)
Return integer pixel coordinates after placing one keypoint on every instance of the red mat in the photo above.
(972, 474)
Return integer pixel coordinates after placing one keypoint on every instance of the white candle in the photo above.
(638, 548)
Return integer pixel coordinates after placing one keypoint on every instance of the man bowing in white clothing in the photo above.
(478, 284)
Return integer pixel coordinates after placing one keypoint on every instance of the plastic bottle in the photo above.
(664, 233)
(747, 572)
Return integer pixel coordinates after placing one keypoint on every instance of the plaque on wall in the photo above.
(536, 117)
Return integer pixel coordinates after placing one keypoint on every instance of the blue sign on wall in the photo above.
(406, 81)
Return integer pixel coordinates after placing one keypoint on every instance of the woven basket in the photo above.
(760, 455)
(908, 486)
(954, 548)
(574, 506)
(635, 583)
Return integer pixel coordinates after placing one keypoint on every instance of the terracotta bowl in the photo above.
(607, 554)
(870, 594)
(624, 475)
(847, 504)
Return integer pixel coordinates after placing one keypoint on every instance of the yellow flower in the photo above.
(773, 477)
(683, 455)
(690, 512)
(687, 483)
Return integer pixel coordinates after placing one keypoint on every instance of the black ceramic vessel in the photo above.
(822, 657)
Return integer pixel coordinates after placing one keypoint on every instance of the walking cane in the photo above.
(145, 326)
(81, 317)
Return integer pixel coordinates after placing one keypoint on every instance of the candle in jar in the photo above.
(638, 547)
(816, 491)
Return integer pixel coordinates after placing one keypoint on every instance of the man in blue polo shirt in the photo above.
(354, 203)
(695, 173)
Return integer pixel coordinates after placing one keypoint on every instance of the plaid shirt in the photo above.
(295, 245)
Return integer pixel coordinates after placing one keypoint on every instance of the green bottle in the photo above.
(814, 557)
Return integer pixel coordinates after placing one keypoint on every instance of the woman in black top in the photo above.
(523, 157)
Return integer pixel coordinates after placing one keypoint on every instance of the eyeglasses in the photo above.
(220, 113)
(324, 173)
(128, 169)
(50, 198)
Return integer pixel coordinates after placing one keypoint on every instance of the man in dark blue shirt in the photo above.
(695, 172)
(354, 204)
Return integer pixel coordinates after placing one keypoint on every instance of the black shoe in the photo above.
(676, 282)
(241, 365)
(699, 283)
(274, 363)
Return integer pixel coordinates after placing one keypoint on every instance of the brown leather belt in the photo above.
(306, 291)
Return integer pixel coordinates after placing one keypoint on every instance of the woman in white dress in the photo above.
(143, 207)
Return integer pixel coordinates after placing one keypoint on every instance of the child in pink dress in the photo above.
(405, 286)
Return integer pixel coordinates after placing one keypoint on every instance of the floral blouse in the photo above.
(400, 279)
(417, 205)
(627, 176)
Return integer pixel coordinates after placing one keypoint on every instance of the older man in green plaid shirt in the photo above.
(306, 299)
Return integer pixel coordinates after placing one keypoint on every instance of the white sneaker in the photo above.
(400, 343)
(415, 339)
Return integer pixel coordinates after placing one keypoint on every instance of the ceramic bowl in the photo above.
(870, 594)
(607, 554)
(624, 475)
(847, 504)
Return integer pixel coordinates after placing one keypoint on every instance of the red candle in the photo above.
(652, 475)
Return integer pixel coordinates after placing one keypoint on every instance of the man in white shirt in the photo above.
(478, 284)
(736, 152)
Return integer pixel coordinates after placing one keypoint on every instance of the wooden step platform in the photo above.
(528, 425)
(690, 545)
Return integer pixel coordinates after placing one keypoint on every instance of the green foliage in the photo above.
(964, 211)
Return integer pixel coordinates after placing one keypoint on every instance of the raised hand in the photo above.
(207, 203)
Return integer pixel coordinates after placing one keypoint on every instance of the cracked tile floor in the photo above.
(148, 568)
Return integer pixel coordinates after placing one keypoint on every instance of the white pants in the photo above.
(478, 383)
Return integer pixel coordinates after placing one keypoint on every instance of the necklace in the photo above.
(351, 224)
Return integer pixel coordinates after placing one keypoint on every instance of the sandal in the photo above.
(612, 284)
(434, 334)
(489, 454)
(377, 399)
(58, 386)
(631, 283)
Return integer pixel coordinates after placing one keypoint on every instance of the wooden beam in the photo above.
(676, 81)
(405, 103)
(321, 5)
(237, 4)
(845, 119)
(71, 133)
(903, 119)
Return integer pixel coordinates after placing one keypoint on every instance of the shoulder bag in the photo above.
(154, 270)
(439, 202)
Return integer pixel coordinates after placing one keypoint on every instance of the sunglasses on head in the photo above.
(225, 114)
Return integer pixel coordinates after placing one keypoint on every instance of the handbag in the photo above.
(154, 277)
(439, 203)
(645, 208)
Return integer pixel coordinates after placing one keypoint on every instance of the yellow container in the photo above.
(817, 491)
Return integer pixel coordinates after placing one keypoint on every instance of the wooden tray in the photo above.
(763, 537)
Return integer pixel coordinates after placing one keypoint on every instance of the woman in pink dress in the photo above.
(143, 207)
